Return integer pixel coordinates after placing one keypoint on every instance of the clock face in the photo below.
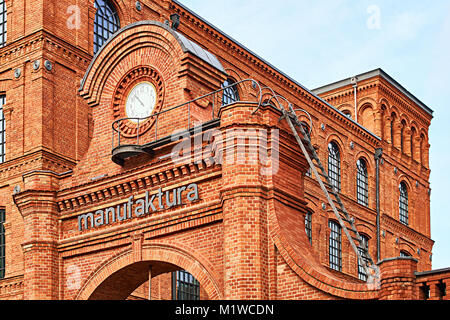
(141, 101)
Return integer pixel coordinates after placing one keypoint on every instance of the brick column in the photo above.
(398, 279)
(39, 211)
(244, 207)
(435, 293)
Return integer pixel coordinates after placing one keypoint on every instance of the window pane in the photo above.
(403, 204)
(362, 183)
(230, 92)
(308, 226)
(185, 286)
(334, 165)
(335, 253)
(362, 249)
(106, 23)
(3, 23)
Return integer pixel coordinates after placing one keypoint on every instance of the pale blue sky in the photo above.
(319, 42)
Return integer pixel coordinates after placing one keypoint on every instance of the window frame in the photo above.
(361, 272)
(308, 225)
(403, 204)
(404, 254)
(185, 286)
(334, 165)
(104, 26)
(362, 182)
(335, 246)
(3, 23)
(230, 93)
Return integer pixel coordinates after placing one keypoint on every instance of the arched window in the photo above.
(106, 23)
(334, 165)
(3, 18)
(335, 250)
(230, 92)
(364, 244)
(362, 183)
(403, 203)
(308, 225)
(404, 254)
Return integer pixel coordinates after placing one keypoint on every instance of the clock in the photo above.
(141, 101)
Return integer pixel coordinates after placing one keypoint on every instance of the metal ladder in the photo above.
(330, 191)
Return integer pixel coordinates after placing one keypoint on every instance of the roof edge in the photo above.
(186, 45)
(370, 74)
(274, 68)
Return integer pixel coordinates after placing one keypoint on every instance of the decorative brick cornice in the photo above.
(396, 226)
(39, 160)
(38, 41)
(396, 100)
(96, 192)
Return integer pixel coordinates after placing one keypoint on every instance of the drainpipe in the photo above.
(354, 81)
(378, 155)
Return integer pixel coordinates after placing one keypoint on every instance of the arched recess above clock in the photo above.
(151, 43)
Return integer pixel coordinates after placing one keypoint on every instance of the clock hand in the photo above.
(140, 101)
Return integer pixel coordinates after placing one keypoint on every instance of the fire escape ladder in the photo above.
(346, 222)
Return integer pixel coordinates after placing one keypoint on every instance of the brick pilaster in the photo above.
(244, 208)
(39, 212)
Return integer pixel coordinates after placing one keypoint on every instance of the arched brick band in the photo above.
(171, 253)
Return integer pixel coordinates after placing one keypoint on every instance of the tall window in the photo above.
(362, 183)
(2, 243)
(2, 130)
(3, 17)
(230, 92)
(362, 249)
(335, 251)
(185, 286)
(308, 225)
(403, 203)
(334, 165)
(106, 22)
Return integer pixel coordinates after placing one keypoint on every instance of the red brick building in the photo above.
(102, 190)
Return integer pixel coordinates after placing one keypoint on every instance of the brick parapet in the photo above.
(398, 279)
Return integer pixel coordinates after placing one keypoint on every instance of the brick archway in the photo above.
(121, 274)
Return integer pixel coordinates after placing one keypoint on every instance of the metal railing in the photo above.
(214, 98)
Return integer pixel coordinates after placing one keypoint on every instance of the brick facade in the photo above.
(244, 237)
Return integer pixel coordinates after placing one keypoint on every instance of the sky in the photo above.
(320, 42)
